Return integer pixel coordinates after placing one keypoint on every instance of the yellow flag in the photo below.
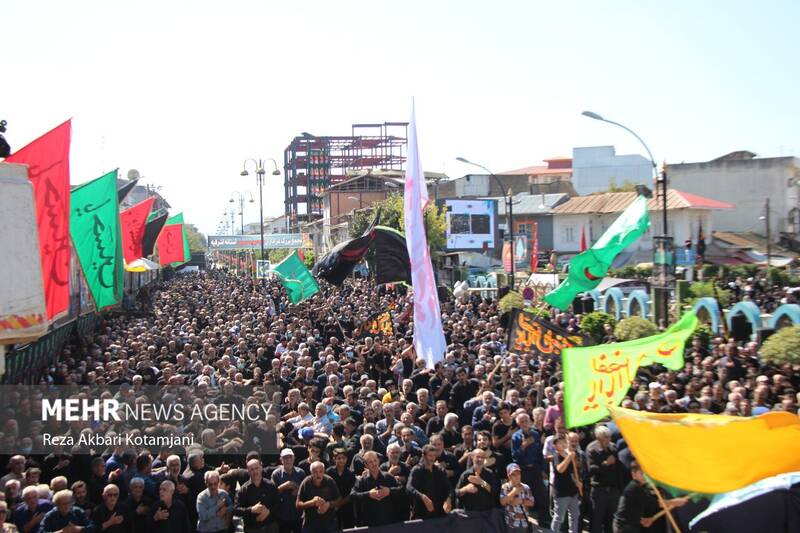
(711, 454)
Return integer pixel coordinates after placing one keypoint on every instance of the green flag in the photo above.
(95, 230)
(187, 256)
(597, 376)
(296, 278)
(588, 268)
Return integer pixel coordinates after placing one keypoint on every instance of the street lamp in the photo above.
(509, 210)
(241, 197)
(232, 212)
(659, 180)
(260, 173)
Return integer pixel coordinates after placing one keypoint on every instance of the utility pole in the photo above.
(769, 236)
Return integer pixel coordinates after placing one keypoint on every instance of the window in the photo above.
(568, 234)
(525, 229)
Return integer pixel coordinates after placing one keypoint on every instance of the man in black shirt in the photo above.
(344, 479)
(256, 499)
(316, 497)
(604, 476)
(169, 514)
(111, 516)
(138, 506)
(464, 389)
(428, 487)
(629, 516)
(374, 494)
(477, 488)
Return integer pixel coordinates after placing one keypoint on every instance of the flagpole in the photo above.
(663, 505)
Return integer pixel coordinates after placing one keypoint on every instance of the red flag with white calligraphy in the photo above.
(48, 169)
(133, 222)
(170, 244)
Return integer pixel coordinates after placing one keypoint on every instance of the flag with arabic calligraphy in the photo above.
(379, 324)
(95, 229)
(187, 256)
(598, 376)
(589, 267)
(170, 245)
(530, 334)
(296, 278)
(48, 169)
(133, 221)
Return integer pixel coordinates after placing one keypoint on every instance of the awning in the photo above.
(141, 265)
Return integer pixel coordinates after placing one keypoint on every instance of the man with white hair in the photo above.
(111, 516)
(64, 518)
(604, 477)
(31, 511)
(16, 468)
(315, 498)
(213, 506)
(169, 514)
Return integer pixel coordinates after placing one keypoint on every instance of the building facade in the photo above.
(596, 168)
(742, 179)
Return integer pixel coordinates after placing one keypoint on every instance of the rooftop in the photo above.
(532, 204)
(615, 202)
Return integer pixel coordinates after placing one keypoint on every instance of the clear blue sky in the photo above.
(185, 91)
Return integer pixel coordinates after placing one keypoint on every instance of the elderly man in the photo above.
(287, 480)
(477, 487)
(315, 498)
(375, 493)
(169, 514)
(604, 477)
(111, 516)
(31, 511)
(256, 499)
(213, 506)
(138, 505)
(65, 518)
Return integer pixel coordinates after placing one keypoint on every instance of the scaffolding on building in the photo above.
(311, 164)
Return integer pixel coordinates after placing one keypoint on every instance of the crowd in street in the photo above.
(356, 430)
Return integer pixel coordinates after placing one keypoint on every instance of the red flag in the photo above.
(583, 238)
(133, 221)
(535, 254)
(301, 254)
(507, 253)
(48, 169)
(170, 244)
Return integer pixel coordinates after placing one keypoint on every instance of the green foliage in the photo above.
(392, 216)
(710, 271)
(538, 312)
(703, 289)
(633, 328)
(744, 271)
(631, 272)
(783, 346)
(197, 241)
(704, 332)
(310, 258)
(512, 300)
(627, 186)
(276, 255)
(593, 323)
(782, 277)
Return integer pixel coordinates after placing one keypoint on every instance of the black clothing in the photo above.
(329, 492)
(370, 512)
(176, 522)
(432, 483)
(344, 483)
(482, 500)
(138, 522)
(249, 495)
(563, 483)
(631, 508)
(101, 513)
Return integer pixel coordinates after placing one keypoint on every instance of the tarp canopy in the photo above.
(141, 265)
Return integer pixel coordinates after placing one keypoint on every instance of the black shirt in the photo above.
(101, 513)
(249, 495)
(630, 509)
(138, 521)
(329, 492)
(483, 500)
(375, 512)
(563, 483)
(600, 474)
(176, 522)
(432, 483)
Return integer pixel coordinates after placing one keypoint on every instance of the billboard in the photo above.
(471, 224)
(253, 242)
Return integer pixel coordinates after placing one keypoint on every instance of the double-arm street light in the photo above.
(509, 211)
(660, 180)
(229, 211)
(240, 196)
(260, 173)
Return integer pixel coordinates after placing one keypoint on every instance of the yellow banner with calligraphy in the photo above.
(529, 334)
(598, 376)
(379, 325)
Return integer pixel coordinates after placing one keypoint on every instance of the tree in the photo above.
(197, 241)
(703, 289)
(633, 328)
(594, 323)
(393, 216)
(627, 186)
(783, 346)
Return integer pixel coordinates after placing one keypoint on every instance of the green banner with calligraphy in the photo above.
(598, 376)
(95, 230)
(378, 325)
(528, 333)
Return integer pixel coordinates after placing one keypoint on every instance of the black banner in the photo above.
(379, 324)
(528, 333)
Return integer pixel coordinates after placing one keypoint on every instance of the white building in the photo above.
(596, 212)
(742, 179)
(595, 168)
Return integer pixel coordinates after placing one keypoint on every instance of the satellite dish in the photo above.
(133, 174)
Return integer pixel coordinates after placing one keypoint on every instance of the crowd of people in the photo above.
(355, 431)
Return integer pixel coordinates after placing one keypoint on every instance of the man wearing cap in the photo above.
(516, 498)
(287, 480)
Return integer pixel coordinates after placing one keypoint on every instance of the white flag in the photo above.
(428, 335)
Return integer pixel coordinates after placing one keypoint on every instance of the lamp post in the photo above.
(241, 197)
(229, 211)
(260, 173)
(660, 180)
(509, 211)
